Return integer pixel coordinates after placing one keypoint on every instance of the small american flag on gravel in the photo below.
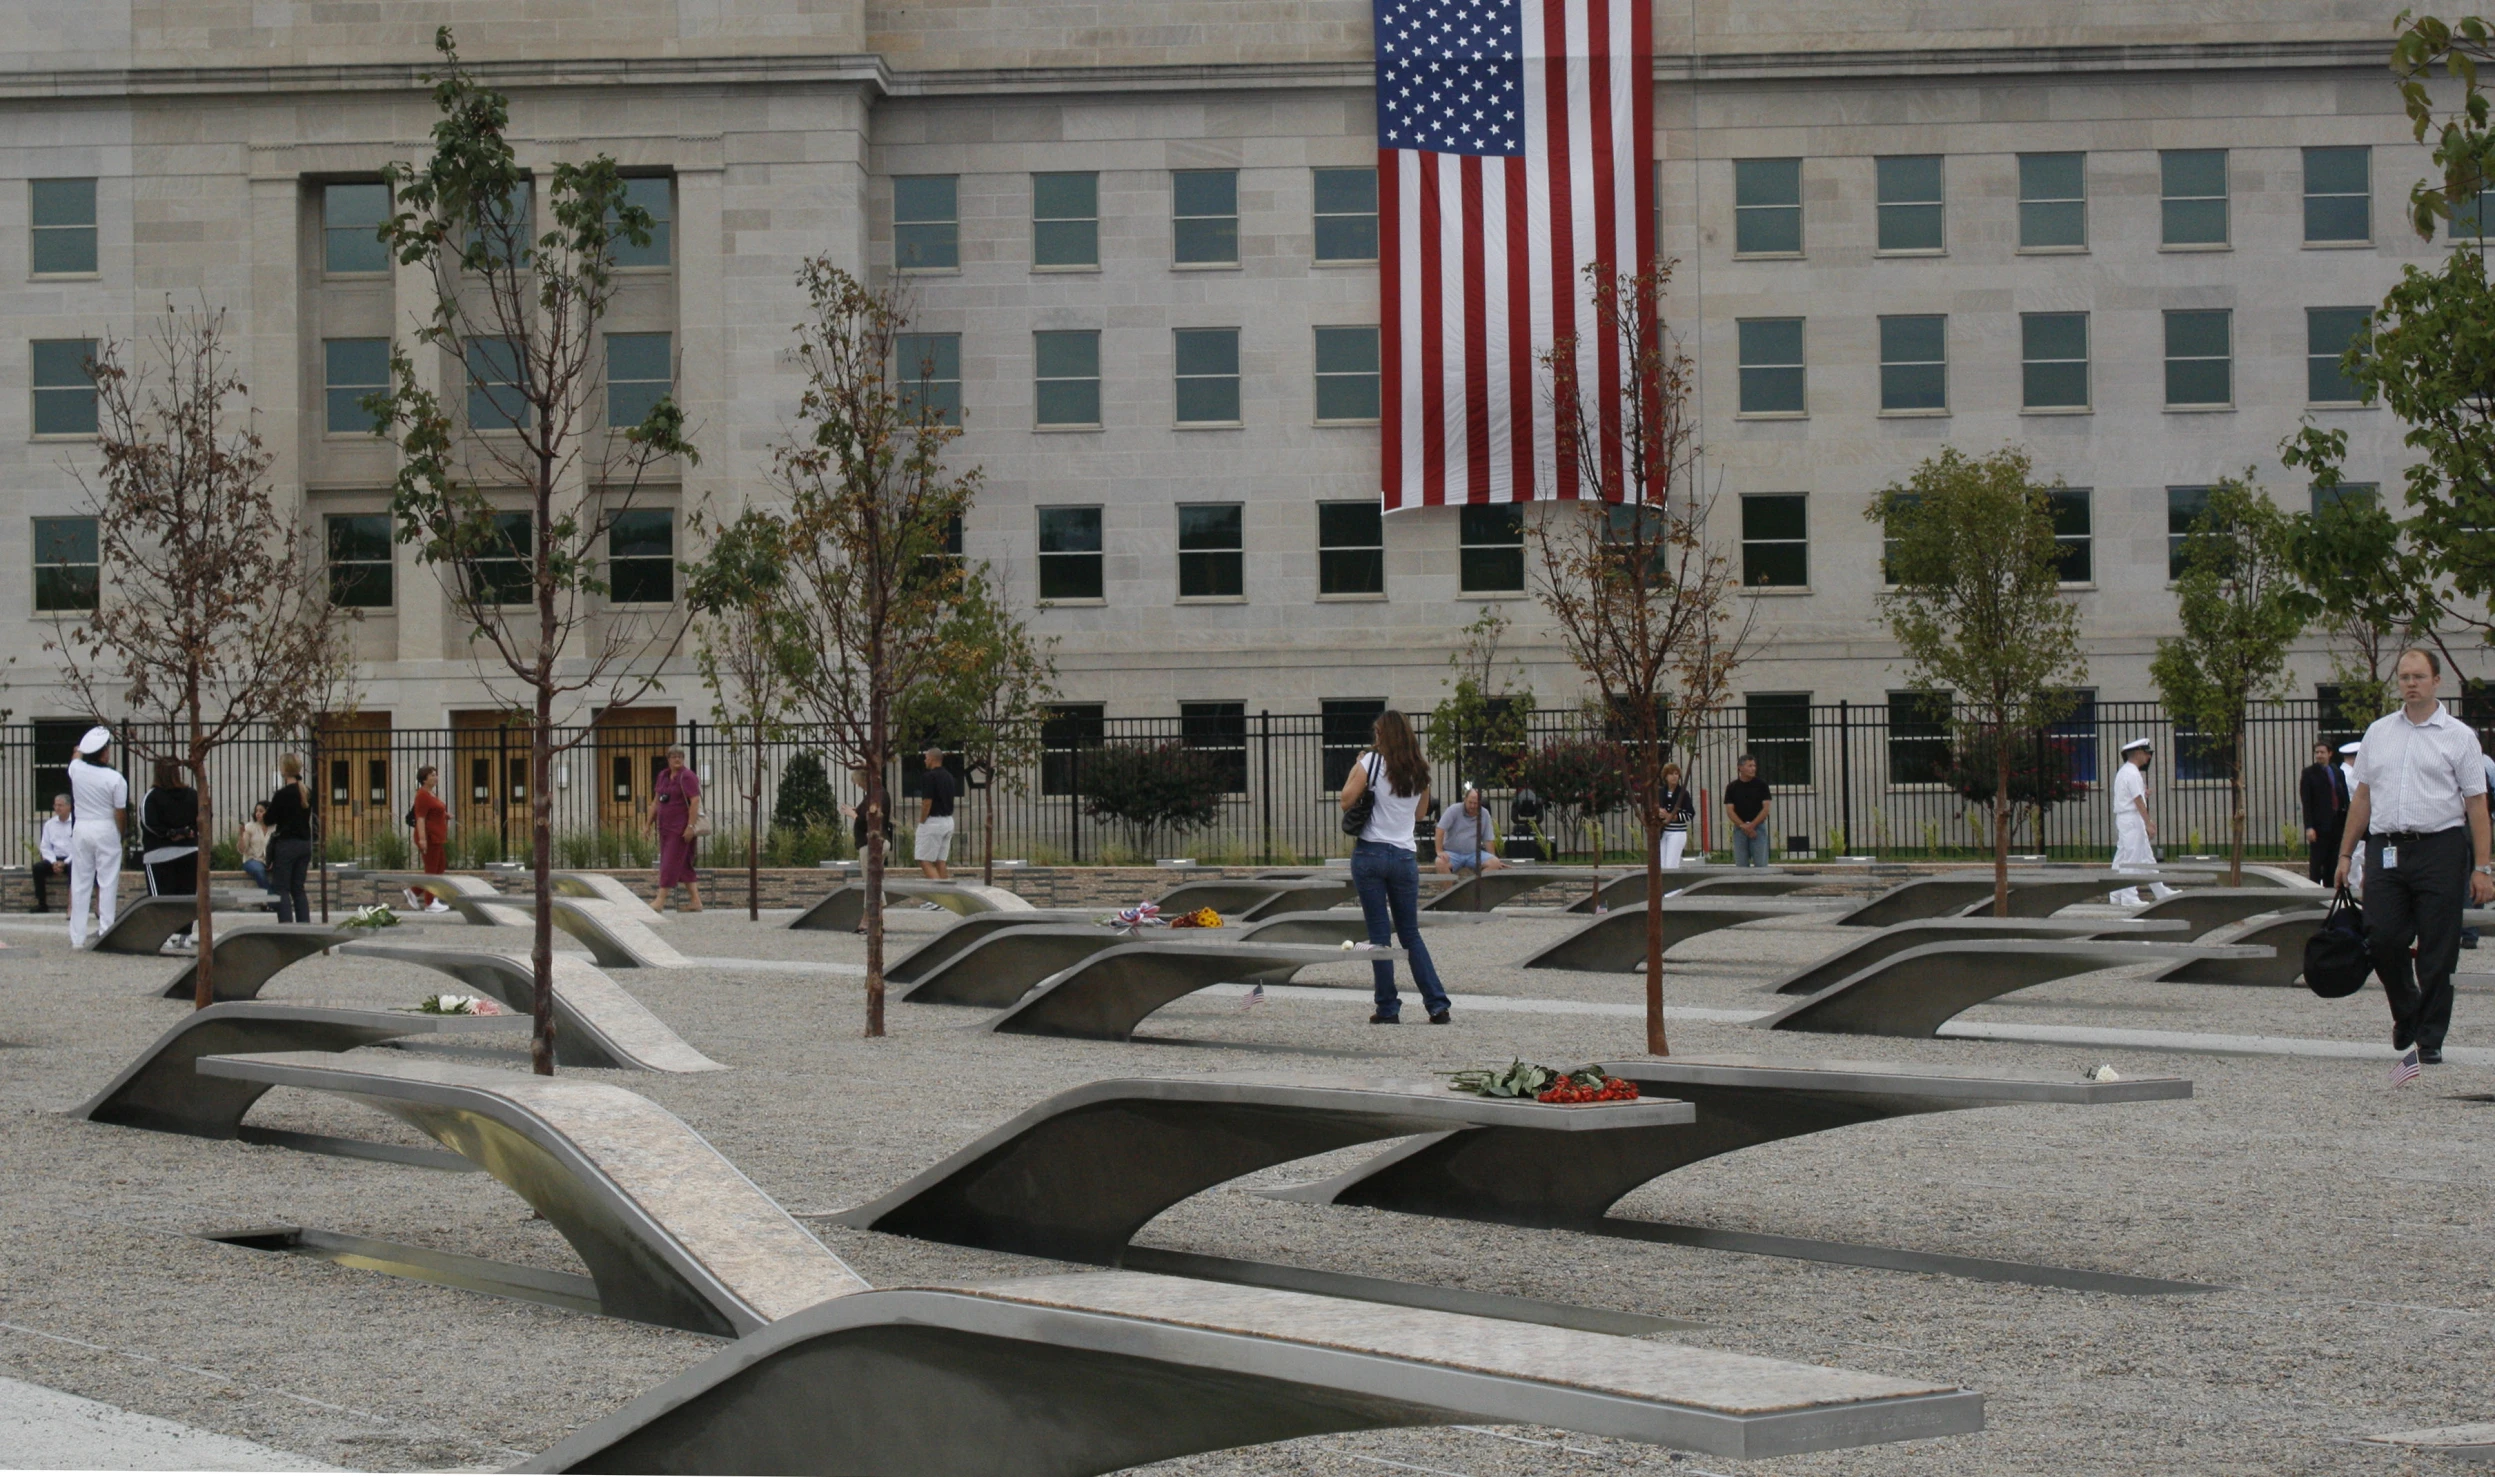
(1255, 995)
(2404, 1071)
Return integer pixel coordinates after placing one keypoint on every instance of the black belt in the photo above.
(2396, 836)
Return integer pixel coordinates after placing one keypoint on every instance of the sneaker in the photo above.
(1438, 1018)
(409, 897)
(1385, 1020)
(437, 906)
(931, 907)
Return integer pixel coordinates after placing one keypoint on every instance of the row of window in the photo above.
(1065, 219)
(2194, 203)
(2054, 361)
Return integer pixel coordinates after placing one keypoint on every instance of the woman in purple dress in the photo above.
(673, 814)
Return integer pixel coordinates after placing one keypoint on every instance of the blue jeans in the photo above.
(1389, 882)
(258, 871)
(1749, 851)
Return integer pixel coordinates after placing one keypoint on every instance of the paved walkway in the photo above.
(44, 1429)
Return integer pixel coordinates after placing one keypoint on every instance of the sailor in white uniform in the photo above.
(2356, 858)
(99, 807)
(2134, 831)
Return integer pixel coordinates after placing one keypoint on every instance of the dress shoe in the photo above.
(2430, 1056)
(1438, 1018)
(1385, 1020)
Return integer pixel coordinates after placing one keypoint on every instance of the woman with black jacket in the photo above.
(1678, 809)
(290, 841)
(169, 837)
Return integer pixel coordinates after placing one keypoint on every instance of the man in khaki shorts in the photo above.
(937, 790)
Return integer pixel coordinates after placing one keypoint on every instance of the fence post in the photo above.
(320, 820)
(1264, 785)
(501, 789)
(1845, 770)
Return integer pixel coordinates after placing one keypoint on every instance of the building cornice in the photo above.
(872, 71)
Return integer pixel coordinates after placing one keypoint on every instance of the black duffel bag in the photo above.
(2337, 961)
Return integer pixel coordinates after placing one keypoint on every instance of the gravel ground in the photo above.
(2350, 1218)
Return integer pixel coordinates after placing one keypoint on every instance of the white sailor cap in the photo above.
(95, 739)
(2137, 743)
(2350, 747)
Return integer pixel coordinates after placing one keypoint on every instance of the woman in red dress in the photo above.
(431, 821)
(673, 812)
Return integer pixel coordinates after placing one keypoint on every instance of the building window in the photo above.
(1070, 554)
(2338, 195)
(2073, 534)
(1771, 367)
(2470, 219)
(641, 557)
(1914, 363)
(497, 398)
(926, 224)
(2053, 202)
(1211, 557)
(359, 560)
(66, 565)
(1204, 217)
(64, 387)
(502, 576)
(63, 215)
(929, 366)
(2053, 367)
(1919, 737)
(2346, 494)
(655, 194)
(351, 369)
(1490, 548)
(1778, 728)
(1208, 376)
(1066, 388)
(2200, 367)
(1065, 219)
(1775, 540)
(2329, 333)
(1351, 549)
(2184, 507)
(1347, 374)
(1069, 730)
(640, 372)
(1767, 207)
(1911, 209)
(2192, 196)
(351, 217)
(1346, 215)
(1345, 727)
(1219, 730)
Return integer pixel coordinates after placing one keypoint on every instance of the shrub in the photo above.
(577, 850)
(223, 857)
(479, 846)
(1154, 788)
(805, 796)
(387, 851)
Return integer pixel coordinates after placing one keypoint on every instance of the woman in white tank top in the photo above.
(1394, 777)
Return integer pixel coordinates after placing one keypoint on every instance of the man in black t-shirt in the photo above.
(937, 790)
(1746, 803)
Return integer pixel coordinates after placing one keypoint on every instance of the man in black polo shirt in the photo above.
(1746, 803)
(937, 790)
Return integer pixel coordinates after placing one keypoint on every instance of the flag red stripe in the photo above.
(1563, 243)
(1433, 365)
(1476, 341)
(1520, 345)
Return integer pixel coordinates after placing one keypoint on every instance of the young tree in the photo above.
(212, 611)
(747, 644)
(512, 501)
(1154, 789)
(1643, 599)
(2375, 592)
(2240, 607)
(990, 707)
(1978, 609)
(1587, 779)
(1480, 727)
(872, 591)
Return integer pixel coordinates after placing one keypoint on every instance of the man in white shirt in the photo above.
(99, 800)
(2419, 810)
(52, 851)
(2134, 829)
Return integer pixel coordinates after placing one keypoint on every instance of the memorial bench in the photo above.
(606, 889)
(1106, 995)
(1630, 891)
(597, 1022)
(614, 941)
(1489, 890)
(1074, 1374)
(1963, 894)
(1075, 1177)
(247, 956)
(845, 908)
(967, 931)
(1247, 901)
(2206, 910)
(1862, 951)
(2283, 933)
(144, 924)
(474, 899)
(1616, 942)
(1337, 926)
(1002, 967)
(1916, 991)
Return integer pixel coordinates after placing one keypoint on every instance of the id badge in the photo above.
(2390, 858)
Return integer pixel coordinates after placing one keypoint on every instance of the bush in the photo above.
(222, 857)
(1154, 788)
(576, 851)
(805, 797)
(479, 846)
(387, 852)
(1587, 776)
(804, 846)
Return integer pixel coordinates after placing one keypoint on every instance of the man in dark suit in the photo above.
(2325, 794)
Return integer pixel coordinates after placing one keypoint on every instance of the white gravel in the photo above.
(2351, 1217)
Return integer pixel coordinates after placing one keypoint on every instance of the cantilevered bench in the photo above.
(160, 1091)
(145, 923)
(1530, 1176)
(1106, 995)
(2208, 909)
(1248, 901)
(1616, 942)
(1337, 926)
(2283, 933)
(1004, 966)
(1759, 882)
(1077, 1176)
(1916, 991)
(1057, 1375)
(845, 908)
(1861, 951)
(1490, 889)
(616, 942)
(474, 899)
(608, 890)
(962, 933)
(1965, 894)
(247, 956)
(597, 1021)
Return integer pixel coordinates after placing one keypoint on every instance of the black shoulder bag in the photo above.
(2337, 961)
(1356, 819)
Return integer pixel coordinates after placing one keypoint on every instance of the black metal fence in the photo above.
(1862, 780)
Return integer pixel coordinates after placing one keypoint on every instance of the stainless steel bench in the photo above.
(1105, 996)
(1916, 991)
(2208, 909)
(144, 924)
(248, 955)
(1491, 889)
(608, 890)
(1862, 951)
(2284, 934)
(1004, 966)
(597, 1022)
(845, 907)
(1714, 886)
(1246, 901)
(967, 931)
(1337, 926)
(1616, 942)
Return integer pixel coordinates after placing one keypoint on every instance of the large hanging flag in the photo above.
(1515, 146)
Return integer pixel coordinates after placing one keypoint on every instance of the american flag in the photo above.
(1515, 145)
(2404, 1071)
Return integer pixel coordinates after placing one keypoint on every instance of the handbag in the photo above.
(699, 826)
(1356, 817)
(2337, 961)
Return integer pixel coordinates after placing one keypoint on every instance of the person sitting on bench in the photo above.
(52, 851)
(1464, 836)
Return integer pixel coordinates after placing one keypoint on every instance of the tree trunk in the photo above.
(877, 805)
(987, 829)
(541, 860)
(2235, 821)
(2001, 822)
(753, 836)
(203, 926)
(1656, 1043)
